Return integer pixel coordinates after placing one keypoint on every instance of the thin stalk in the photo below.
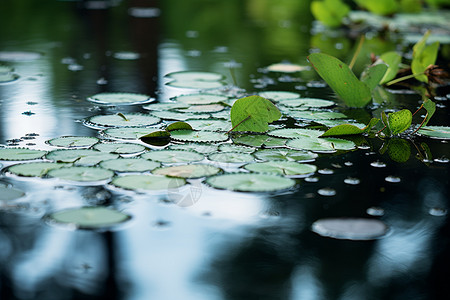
(421, 124)
(417, 110)
(355, 55)
(122, 116)
(233, 76)
(238, 124)
(403, 78)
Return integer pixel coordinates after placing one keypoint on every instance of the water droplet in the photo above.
(316, 84)
(378, 164)
(375, 211)
(75, 67)
(437, 212)
(327, 192)
(352, 181)
(348, 163)
(325, 171)
(311, 179)
(300, 87)
(393, 179)
(443, 160)
(102, 81)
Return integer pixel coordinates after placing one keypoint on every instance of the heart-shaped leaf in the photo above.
(399, 121)
(349, 129)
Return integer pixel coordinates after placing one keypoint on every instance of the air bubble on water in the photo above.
(326, 192)
(393, 179)
(325, 171)
(300, 87)
(443, 160)
(312, 179)
(75, 67)
(316, 84)
(352, 181)
(348, 163)
(378, 164)
(102, 81)
(375, 211)
(437, 212)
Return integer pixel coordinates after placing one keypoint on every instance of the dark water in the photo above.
(227, 245)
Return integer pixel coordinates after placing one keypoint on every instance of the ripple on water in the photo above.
(352, 181)
(437, 212)
(326, 192)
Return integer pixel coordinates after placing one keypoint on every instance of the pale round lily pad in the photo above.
(88, 217)
(13, 154)
(292, 133)
(8, 194)
(200, 99)
(307, 102)
(126, 133)
(235, 148)
(179, 116)
(287, 168)
(119, 148)
(250, 182)
(164, 106)
(204, 148)
(317, 115)
(259, 140)
(86, 157)
(34, 169)
(350, 228)
(279, 95)
(120, 98)
(285, 154)
(73, 141)
(198, 136)
(173, 156)
(188, 171)
(81, 174)
(231, 157)
(210, 125)
(122, 120)
(204, 108)
(320, 144)
(435, 132)
(147, 182)
(129, 165)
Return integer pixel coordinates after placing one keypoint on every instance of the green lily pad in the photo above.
(126, 133)
(119, 148)
(203, 148)
(85, 157)
(307, 102)
(317, 115)
(178, 116)
(259, 140)
(204, 108)
(196, 80)
(88, 217)
(121, 120)
(180, 125)
(320, 144)
(292, 133)
(172, 156)
(198, 136)
(435, 132)
(210, 125)
(165, 106)
(188, 171)
(349, 129)
(285, 154)
(8, 194)
(231, 157)
(13, 154)
(197, 99)
(250, 182)
(235, 148)
(287, 168)
(73, 141)
(279, 95)
(147, 182)
(81, 174)
(129, 165)
(34, 169)
(120, 98)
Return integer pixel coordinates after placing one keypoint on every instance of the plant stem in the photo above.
(403, 78)
(421, 124)
(238, 124)
(417, 110)
(123, 116)
(355, 55)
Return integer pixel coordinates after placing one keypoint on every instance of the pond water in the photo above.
(198, 242)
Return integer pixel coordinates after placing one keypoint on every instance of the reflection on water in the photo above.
(227, 245)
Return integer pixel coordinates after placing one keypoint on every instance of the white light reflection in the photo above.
(305, 285)
(170, 59)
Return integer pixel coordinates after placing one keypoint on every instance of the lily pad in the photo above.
(120, 98)
(126, 133)
(196, 80)
(198, 136)
(73, 141)
(119, 148)
(285, 154)
(279, 95)
(85, 157)
(235, 148)
(8, 194)
(307, 102)
(81, 174)
(259, 140)
(13, 154)
(147, 182)
(320, 144)
(349, 129)
(188, 171)
(231, 157)
(164, 106)
(287, 168)
(88, 217)
(173, 156)
(292, 133)
(129, 165)
(197, 99)
(178, 116)
(204, 148)
(250, 182)
(210, 125)
(121, 120)
(34, 169)
(350, 229)
(435, 132)
(317, 115)
(206, 108)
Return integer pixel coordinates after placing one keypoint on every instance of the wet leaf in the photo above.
(129, 165)
(196, 80)
(286, 168)
(430, 107)
(286, 68)
(81, 174)
(20, 154)
(250, 182)
(203, 148)
(147, 182)
(320, 145)
(172, 156)
(285, 154)
(259, 140)
(307, 102)
(73, 141)
(392, 59)
(436, 132)
(121, 120)
(316, 115)
(34, 169)
(119, 148)
(120, 98)
(178, 126)
(399, 121)
(231, 157)
(179, 116)
(423, 56)
(198, 136)
(210, 125)
(88, 217)
(86, 157)
(349, 129)
(188, 171)
(276, 96)
(292, 133)
(197, 99)
(373, 75)
(235, 148)
(156, 138)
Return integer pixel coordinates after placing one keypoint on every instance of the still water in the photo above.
(225, 245)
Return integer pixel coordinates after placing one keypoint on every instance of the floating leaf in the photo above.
(198, 136)
(307, 102)
(81, 174)
(205, 108)
(423, 56)
(119, 148)
(231, 157)
(126, 133)
(379, 7)
(292, 133)
(350, 228)
(73, 141)
(341, 79)
(200, 99)
(178, 126)
(320, 144)
(156, 138)
(317, 115)
(188, 171)
(253, 114)
(430, 107)
(86, 157)
(436, 132)
(287, 168)
(120, 98)
(259, 140)
(279, 95)
(210, 125)
(88, 217)
(330, 12)
(129, 165)
(349, 129)
(285, 154)
(147, 182)
(249, 182)
(235, 148)
(121, 120)
(393, 60)
(34, 169)
(204, 148)
(172, 156)
(12, 154)
(8, 194)
(178, 116)
(196, 80)
(399, 121)
(164, 106)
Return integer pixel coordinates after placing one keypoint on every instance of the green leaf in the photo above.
(121, 120)
(172, 156)
(330, 12)
(399, 150)
(87, 157)
(204, 148)
(373, 74)
(235, 148)
(249, 182)
(276, 96)
(88, 217)
(156, 138)
(20, 154)
(188, 171)
(292, 133)
(148, 182)
(129, 165)
(436, 132)
(210, 125)
(430, 107)
(196, 80)
(399, 121)
(321, 145)
(287, 168)
(259, 140)
(341, 79)
(126, 133)
(253, 113)
(198, 136)
(423, 56)
(379, 7)
(81, 174)
(392, 59)
(34, 169)
(307, 102)
(349, 129)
